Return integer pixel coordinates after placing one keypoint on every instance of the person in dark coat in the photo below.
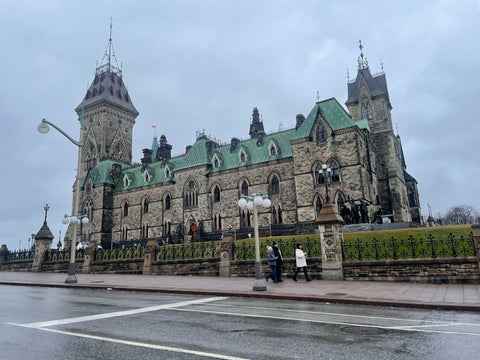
(272, 263)
(278, 255)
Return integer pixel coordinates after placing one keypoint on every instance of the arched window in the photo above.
(89, 210)
(243, 219)
(191, 195)
(125, 209)
(319, 176)
(275, 185)
(366, 109)
(280, 219)
(318, 205)
(146, 176)
(340, 202)
(335, 174)
(144, 233)
(216, 194)
(245, 188)
(273, 150)
(216, 164)
(145, 206)
(274, 215)
(167, 202)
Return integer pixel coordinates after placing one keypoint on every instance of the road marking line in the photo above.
(118, 313)
(339, 315)
(326, 322)
(145, 345)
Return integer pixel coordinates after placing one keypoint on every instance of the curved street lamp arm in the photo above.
(79, 144)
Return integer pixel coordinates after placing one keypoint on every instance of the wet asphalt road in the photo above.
(51, 323)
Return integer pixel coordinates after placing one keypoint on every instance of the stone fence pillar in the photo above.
(43, 242)
(90, 253)
(476, 241)
(150, 251)
(226, 255)
(331, 237)
(41, 246)
(3, 254)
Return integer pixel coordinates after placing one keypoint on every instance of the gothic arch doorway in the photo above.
(193, 231)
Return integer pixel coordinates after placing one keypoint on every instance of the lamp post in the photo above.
(43, 128)
(326, 171)
(253, 202)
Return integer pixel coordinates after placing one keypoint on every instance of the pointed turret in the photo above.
(108, 86)
(256, 126)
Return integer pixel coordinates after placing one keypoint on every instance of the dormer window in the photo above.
(168, 172)
(216, 162)
(146, 176)
(242, 156)
(273, 149)
(126, 181)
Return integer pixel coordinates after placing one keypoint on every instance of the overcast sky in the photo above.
(194, 65)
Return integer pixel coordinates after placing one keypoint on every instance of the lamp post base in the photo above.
(259, 284)
(71, 278)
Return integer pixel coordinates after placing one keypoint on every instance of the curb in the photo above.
(262, 295)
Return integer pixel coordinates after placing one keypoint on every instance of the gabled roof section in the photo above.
(101, 172)
(333, 113)
(377, 85)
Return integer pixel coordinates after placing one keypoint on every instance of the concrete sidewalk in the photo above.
(465, 297)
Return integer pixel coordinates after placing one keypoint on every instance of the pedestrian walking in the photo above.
(301, 260)
(278, 254)
(272, 263)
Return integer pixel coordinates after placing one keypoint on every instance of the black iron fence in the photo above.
(197, 250)
(63, 255)
(246, 250)
(132, 253)
(409, 249)
(20, 255)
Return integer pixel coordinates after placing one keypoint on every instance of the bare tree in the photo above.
(461, 214)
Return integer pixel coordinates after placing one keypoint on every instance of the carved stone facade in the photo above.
(194, 196)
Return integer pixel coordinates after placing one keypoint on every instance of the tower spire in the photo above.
(110, 45)
(106, 64)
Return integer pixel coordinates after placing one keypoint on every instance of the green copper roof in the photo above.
(204, 151)
(101, 172)
(333, 113)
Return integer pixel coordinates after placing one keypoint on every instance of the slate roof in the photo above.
(108, 87)
(377, 85)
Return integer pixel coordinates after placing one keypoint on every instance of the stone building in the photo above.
(194, 196)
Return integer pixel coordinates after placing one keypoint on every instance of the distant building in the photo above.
(194, 196)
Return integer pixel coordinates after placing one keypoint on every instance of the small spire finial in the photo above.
(46, 208)
(362, 60)
(381, 63)
(348, 75)
(318, 96)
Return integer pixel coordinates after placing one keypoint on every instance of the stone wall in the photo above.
(16, 265)
(451, 270)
